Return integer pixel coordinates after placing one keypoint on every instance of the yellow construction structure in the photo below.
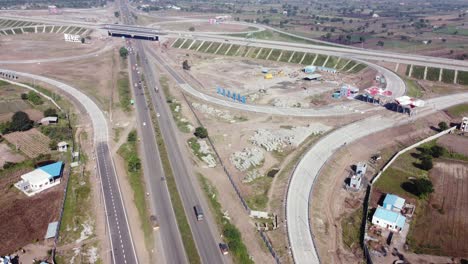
(268, 76)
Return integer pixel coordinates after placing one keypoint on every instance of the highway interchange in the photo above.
(300, 186)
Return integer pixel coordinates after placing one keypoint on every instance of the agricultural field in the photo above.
(441, 227)
(24, 219)
(32, 142)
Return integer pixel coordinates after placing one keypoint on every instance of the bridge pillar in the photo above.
(440, 74)
(410, 71)
(455, 77)
(425, 73)
(396, 67)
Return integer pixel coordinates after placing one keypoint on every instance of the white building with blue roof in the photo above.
(388, 219)
(40, 179)
(393, 202)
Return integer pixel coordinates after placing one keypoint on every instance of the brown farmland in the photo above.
(442, 228)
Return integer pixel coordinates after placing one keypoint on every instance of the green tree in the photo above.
(24, 96)
(34, 98)
(123, 52)
(83, 40)
(443, 126)
(5, 128)
(437, 151)
(117, 14)
(53, 144)
(134, 163)
(191, 29)
(201, 132)
(20, 122)
(50, 112)
(132, 136)
(423, 187)
(426, 163)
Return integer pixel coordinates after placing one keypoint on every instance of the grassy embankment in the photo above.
(231, 234)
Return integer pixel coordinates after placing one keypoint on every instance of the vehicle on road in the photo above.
(224, 248)
(198, 212)
(154, 222)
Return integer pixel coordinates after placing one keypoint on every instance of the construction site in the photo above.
(281, 82)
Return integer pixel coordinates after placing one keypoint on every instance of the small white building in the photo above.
(355, 181)
(393, 202)
(40, 179)
(62, 146)
(388, 219)
(361, 168)
(464, 124)
(48, 120)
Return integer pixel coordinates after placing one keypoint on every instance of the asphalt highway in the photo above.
(172, 246)
(123, 250)
(204, 232)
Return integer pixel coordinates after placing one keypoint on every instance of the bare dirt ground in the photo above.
(43, 46)
(204, 26)
(25, 219)
(286, 89)
(442, 229)
(89, 74)
(96, 15)
(455, 143)
(7, 155)
(434, 89)
(329, 196)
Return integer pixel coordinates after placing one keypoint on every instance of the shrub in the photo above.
(34, 98)
(191, 29)
(201, 132)
(50, 112)
(443, 126)
(123, 52)
(24, 96)
(5, 127)
(132, 136)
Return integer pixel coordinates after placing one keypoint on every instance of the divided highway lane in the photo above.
(171, 241)
(203, 231)
(308, 169)
(121, 241)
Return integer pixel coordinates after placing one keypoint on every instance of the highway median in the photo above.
(182, 222)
